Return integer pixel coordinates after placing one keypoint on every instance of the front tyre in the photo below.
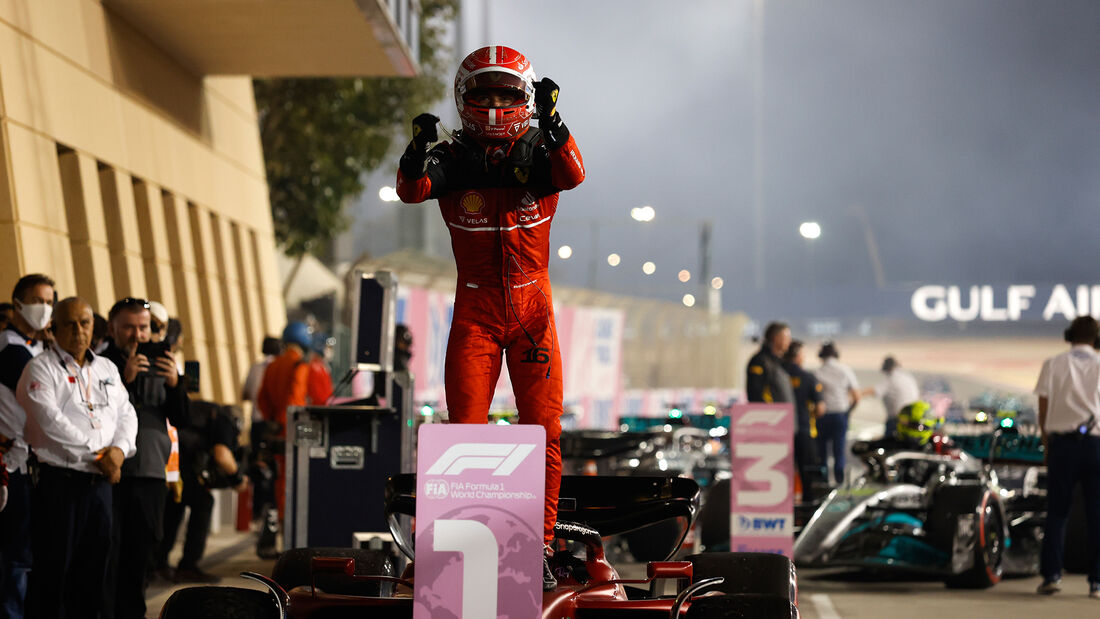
(988, 549)
(745, 606)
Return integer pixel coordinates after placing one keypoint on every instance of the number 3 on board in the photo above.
(765, 456)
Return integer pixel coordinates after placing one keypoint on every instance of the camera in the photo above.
(152, 350)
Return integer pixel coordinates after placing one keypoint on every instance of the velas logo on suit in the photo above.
(472, 203)
(501, 458)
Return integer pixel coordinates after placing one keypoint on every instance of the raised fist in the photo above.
(546, 97)
(423, 128)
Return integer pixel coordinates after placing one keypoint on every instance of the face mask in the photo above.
(37, 315)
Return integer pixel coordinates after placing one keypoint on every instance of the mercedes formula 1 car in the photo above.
(938, 511)
(345, 582)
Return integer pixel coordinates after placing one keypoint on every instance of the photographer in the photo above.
(208, 461)
(149, 372)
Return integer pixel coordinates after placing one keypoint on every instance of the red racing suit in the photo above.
(498, 203)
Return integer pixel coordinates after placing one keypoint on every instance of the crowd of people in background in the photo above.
(102, 449)
(1068, 390)
(823, 399)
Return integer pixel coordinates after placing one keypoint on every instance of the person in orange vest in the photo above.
(286, 379)
(285, 384)
(320, 378)
(172, 467)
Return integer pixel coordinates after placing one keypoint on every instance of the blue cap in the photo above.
(298, 333)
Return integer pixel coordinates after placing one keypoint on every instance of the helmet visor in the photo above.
(496, 89)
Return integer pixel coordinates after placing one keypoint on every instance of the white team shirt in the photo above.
(1071, 384)
(12, 417)
(900, 389)
(74, 411)
(252, 385)
(836, 379)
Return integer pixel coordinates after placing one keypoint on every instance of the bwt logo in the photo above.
(768, 524)
(501, 458)
(435, 489)
(761, 525)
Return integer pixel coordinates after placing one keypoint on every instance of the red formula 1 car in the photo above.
(334, 583)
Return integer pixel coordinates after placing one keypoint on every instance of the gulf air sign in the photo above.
(1010, 304)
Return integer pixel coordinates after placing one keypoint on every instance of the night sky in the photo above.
(968, 132)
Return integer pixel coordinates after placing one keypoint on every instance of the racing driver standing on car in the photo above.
(497, 183)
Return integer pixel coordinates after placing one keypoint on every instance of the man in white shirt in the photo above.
(81, 426)
(900, 389)
(840, 392)
(1069, 419)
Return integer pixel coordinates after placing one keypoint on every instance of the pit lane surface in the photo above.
(852, 594)
(823, 594)
(831, 594)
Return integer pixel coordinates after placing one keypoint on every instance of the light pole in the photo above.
(872, 245)
(648, 213)
(811, 231)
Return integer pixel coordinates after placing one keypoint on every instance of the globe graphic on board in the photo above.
(439, 587)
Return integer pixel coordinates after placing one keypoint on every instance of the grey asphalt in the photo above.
(228, 553)
(829, 594)
(823, 594)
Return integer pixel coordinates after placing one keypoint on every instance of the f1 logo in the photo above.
(502, 458)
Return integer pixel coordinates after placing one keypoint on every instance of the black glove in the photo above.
(546, 107)
(546, 98)
(424, 132)
(424, 135)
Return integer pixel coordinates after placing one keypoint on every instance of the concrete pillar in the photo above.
(11, 255)
(271, 286)
(181, 250)
(231, 297)
(127, 265)
(251, 299)
(37, 207)
(87, 230)
(154, 232)
(222, 370)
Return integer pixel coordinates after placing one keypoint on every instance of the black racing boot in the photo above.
(269, 531)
